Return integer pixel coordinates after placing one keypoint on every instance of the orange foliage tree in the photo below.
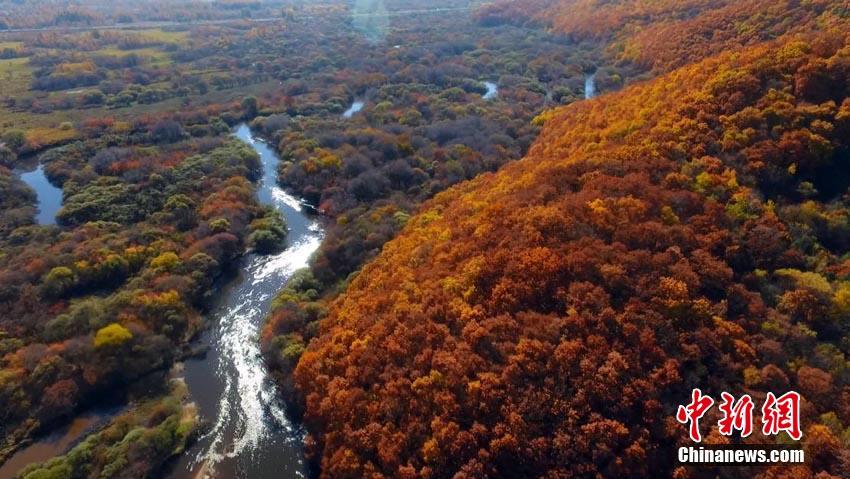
(545, 321)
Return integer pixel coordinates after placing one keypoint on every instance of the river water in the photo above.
(49, 196)
(590, 86)
(492, 90)
(354, 108)
(249, 434)
(58, 441)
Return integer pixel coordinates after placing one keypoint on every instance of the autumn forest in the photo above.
(422, 239)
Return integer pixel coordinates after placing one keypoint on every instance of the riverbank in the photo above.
(230, 383)
(105, 307)
(153, 431)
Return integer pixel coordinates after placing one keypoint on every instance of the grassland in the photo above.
(16, 75)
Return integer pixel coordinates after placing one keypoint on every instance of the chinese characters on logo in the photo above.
(736, 415)
(778, 414)
(693, 412)
(782, 414)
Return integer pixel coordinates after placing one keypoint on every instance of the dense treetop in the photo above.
(544, 321)
(672, 33)
(541, 320)
(425, 126)
(132, 124)
(114, 291)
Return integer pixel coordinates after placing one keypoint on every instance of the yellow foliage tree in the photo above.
(112, 335)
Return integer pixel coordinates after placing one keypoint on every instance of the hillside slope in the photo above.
(545, 321)
(667, 34)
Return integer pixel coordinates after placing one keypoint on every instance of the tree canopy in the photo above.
(545, 321)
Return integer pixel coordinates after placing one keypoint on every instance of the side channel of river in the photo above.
(49, 197)
(249, 434)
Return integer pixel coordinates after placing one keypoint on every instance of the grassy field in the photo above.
(164, 36)
(61, 125)
(154, 56)
(12, 45)
(16, 76)
(48, 125)
(15, 73)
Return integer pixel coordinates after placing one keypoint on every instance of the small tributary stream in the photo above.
(49, 196)
(249, 436)
(492, 90)
(590, 86)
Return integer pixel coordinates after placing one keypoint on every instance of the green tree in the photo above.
(59, 281)
(182, 210)
(265, 241)
(250, 106)
(14, 139)
(59, 470)
(7, 156)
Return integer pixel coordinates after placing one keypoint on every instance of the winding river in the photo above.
(249, 434)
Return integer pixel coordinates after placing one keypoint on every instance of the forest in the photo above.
(158, 202)
(543, 223)
(546, 320)
(113, 293)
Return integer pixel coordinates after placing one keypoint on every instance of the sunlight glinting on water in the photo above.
(356, 107)
(280, 196)
(248, 401)
(250, 410)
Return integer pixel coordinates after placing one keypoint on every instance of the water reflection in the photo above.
(250, 435)
(58, 441)
(49, 196)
